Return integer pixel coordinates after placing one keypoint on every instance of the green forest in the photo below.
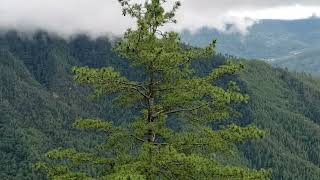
(265, 120)
(40, 102)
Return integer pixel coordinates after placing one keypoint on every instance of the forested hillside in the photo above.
(39, 101)
(287, 105)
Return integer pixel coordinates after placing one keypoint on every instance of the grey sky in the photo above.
(98, 17)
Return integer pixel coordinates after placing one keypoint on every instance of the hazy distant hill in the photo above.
(307, 60)
(270, 40)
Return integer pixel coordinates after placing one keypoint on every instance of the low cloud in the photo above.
(100, 17)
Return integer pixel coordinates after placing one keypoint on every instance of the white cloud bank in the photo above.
(98, 17)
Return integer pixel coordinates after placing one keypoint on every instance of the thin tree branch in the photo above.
(178, 110)
(132, 86)
(164, 89)
(142, 140)
(139, 91)
(137, 138)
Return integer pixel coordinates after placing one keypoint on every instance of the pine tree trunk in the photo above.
(151, 104)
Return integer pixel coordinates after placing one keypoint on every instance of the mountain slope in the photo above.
(287, 105)
(39, 102)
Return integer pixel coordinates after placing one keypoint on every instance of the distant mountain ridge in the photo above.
(270, 40)
(307, 60)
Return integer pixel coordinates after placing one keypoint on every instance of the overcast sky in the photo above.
(98, 17)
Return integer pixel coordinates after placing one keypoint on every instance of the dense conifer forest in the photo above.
(40, 102)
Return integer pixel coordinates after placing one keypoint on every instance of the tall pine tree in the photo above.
(149, 148)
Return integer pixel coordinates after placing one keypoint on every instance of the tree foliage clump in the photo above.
(149, 148)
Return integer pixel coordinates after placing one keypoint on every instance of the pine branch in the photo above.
(182, 110)
(137, 138)
(135, 87)
(139, 91)
(179, 110)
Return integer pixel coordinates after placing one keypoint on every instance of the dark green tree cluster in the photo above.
(148, 148)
